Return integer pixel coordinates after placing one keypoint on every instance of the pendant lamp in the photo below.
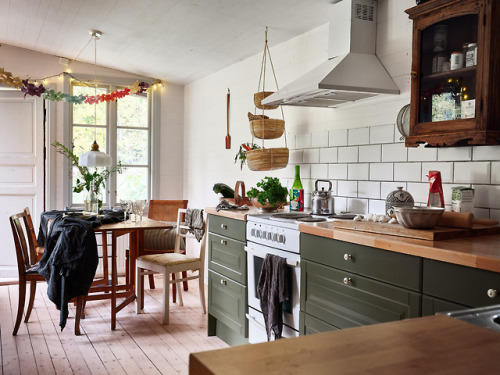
(94, 157)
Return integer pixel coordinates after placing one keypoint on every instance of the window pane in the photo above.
(83, 137)
(132, 146)
(78, 198)
(133, 111)
(132, 184)
(84, 113)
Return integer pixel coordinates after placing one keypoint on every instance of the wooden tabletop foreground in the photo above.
(430, 345)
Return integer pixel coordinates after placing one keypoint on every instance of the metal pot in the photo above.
(322, 201)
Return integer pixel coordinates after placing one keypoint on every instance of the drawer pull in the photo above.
(347, 280)
(223, 282)
(492, 293)
(223, 226)
(347, 257)
(223, 242)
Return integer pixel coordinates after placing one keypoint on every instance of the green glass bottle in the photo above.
(297, 192)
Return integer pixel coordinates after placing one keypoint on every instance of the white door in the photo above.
(21, 167)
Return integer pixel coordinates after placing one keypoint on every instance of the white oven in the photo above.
(256, 253)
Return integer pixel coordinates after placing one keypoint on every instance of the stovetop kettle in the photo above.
(322, 201)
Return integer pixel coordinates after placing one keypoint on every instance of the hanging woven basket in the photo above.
(259, 96)
(267, 159)
(267, 128)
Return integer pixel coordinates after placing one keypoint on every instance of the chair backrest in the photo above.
(165, 210)
(26, 255)
(31, 230)
(181, 225)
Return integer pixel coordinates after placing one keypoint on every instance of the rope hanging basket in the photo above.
(259, 96)
(267, 159)
(267, 128)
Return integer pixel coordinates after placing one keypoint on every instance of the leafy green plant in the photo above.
(97, 177)
(241, 155)
(271, 192)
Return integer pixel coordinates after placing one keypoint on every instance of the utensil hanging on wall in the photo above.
(228, 137)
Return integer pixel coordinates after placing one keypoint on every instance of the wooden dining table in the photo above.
(109, 287)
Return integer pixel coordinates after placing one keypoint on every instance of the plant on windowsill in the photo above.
(91, 181)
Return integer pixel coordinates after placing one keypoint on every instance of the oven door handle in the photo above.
(262, 254)
(254, 321)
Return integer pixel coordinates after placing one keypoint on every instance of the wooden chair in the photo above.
(172, 263)
(33, 243)
(164, 210)
(28, 270)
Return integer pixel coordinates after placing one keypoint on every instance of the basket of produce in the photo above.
(269, 194)
(267, 128)
(259, 96)
(267, 159)
(232, 196)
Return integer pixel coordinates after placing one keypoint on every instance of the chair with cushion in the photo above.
(27, 266)
(172, 263)
(160, 241)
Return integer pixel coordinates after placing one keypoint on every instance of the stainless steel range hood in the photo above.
(353, 72)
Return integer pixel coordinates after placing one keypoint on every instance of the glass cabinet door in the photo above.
(447, 79)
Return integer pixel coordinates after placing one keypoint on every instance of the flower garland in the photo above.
(33, 90)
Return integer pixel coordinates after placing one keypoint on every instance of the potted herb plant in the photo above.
(271, 195)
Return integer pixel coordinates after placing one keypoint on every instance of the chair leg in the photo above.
(31, 301)
(181, 302)
(166, 300)
(202, 291)
(20, 305)
(151, 282)
(127, 276)
(80, 304)
(139, 288)
(185, 283)
(174, 289)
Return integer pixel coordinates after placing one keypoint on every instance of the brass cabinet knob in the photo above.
(413, 74)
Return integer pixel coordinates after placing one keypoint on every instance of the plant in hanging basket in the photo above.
(272, 194)
(267, 128)
(241, 155)
(267, 159)
(259, 96)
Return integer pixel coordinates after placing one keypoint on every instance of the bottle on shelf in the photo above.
(297, 192)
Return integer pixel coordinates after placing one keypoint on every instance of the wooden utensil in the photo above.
(228, 137)
(462, 220)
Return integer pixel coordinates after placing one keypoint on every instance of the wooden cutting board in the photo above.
(435, 234)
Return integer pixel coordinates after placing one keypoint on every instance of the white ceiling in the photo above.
(178, 41)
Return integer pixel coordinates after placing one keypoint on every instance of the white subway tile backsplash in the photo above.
(455, 154)
(486, 196)
(382, 171)
(307, 184)
(348, 154)
(291, 141)
(394, 152)
(486, 153)
(357, 171)
(369, 189)
(357, 205)
(295, 157)
(340, 204)
(328, 155)
(387, 187)
(446, 170)
(419, 192)
(382, 134)
(472, 172)
(371, 153)
(303, 141)
(495, 173)
(320, 139)
(495, 215)
(481, 213)
(337, 171)
(347, 188)
(422, 154)
(319, 171)
(407, 171)
(311, 155)
(359, 136)
(337, 138)
(305, 171)
(376, 206)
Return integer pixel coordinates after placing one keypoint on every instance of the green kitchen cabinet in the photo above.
(347, 285)
(432, 306)
(470, 287)
(309, 325)
(227, 275)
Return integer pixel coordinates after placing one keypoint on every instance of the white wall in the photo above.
(357, 147)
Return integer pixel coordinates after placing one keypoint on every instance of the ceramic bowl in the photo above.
(398, 198)
(267, 207)
(418, 217)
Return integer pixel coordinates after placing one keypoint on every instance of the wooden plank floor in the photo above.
(139, 345)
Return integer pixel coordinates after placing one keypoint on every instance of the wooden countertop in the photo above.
(430, 345)
(479, 251)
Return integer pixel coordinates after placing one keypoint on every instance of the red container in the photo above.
(436, 198)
